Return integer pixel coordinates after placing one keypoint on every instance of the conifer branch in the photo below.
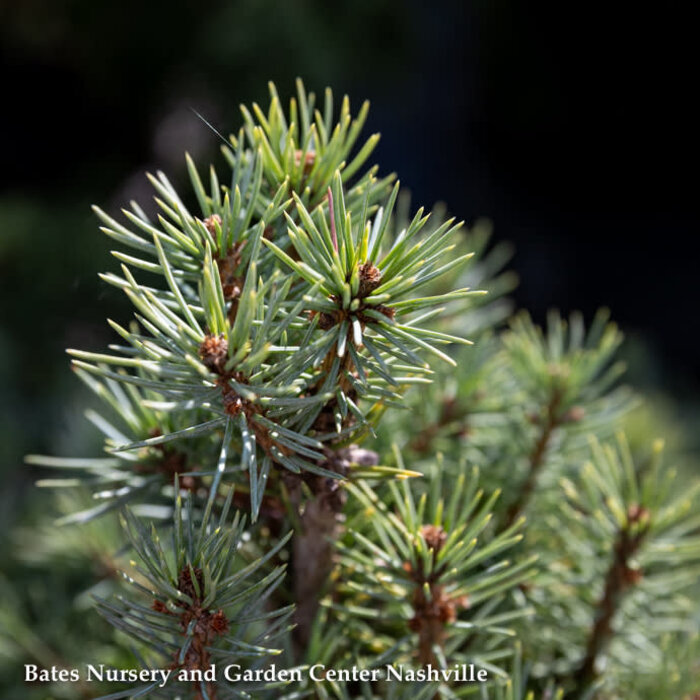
(281, 311)
(196, 607)
(621, 575)
(537, 457)
(642, 545)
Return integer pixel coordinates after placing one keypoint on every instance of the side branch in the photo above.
(620, 577)
(536, 459)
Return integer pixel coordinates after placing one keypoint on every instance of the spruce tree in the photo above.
(328, 442)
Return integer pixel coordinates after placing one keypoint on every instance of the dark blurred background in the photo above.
(573, 127)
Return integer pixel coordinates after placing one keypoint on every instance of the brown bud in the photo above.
(213, 352)
(160, 607)
(637, 513)
(188, 483)
(326, 321)
(219, 623)
(186, 585)
(632, 576)
(232, 403)
(370, 279)
(211, 221)
(447, 612)
(309, 159)
(434, 536)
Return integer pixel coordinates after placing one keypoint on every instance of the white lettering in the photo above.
(313, 671)
(93, 673)
(393, 673)
(32, 674)
(231, 673)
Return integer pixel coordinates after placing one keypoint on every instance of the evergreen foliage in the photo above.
(283, 315)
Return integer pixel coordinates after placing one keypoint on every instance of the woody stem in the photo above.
(536, 459)
(617, 581)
